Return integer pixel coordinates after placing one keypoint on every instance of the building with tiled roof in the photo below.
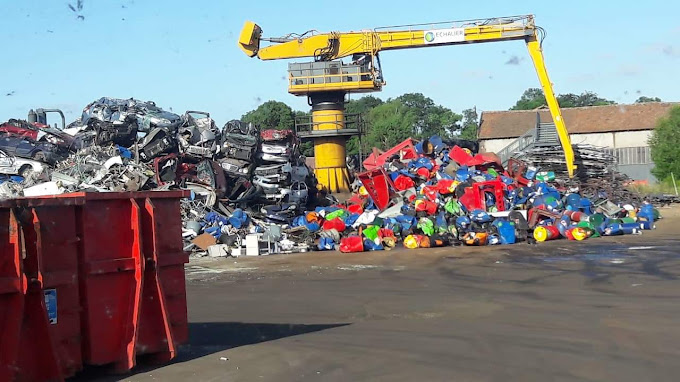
(622, 129)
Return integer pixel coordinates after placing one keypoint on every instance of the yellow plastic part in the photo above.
(249, 39)
(344, 86)
(579, 233)
(329, 152)
(540, 234)
(411, 242)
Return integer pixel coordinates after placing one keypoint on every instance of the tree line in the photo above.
(412, 115)
(386, 122)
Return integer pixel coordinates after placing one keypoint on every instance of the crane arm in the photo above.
(336, 45)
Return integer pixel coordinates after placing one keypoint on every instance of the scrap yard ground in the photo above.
(602, 309)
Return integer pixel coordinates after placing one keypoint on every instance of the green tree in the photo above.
(362, 105)
(534, 98)
(418, 105)
(430, 119)
(470, 124)
(390, 123)
(665, 145)
(586, 98)
(644, 99)
(409, 115)
(531, 99)
(307, 148)
(352, 146)
(271, 115)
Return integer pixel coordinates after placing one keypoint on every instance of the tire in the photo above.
(26, 171)
(39, 156)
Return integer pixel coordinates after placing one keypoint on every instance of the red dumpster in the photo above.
(101, 281)
(39, 299)
(132, 276)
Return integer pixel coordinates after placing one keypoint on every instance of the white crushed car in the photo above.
(12, 165)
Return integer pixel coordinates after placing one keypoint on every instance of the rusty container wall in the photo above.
(39, 294)
(111, 275)
(164, 276)
(90, 278)
(132, 277)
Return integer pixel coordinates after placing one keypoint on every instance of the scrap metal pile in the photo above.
(596, 170)
(252, 194)
(131, 145)
(592, 161)
(432, 194)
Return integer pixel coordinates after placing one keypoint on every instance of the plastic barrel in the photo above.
(577, 233)
(507, 233)
(613, 229)
(646, 224)
(597, 219)
(544, 233)
(630, 228)
(592, 231)
(576, 216)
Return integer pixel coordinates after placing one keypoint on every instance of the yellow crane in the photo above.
(327, 80)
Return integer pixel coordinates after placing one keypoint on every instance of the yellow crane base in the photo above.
(329, 151)
(333, 179)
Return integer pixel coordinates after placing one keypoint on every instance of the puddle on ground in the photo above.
(606, 256)
(603, 258)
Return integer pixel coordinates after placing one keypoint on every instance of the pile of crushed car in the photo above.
(252, 194)
(132, 145)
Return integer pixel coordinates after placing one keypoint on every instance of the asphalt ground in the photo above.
(604, 309)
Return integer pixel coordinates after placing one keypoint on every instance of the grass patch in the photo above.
(664, 187)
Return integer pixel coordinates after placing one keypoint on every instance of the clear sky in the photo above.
(183, 54)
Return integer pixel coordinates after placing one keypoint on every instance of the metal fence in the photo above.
(631, 155)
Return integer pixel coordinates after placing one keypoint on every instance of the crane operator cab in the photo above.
(358, 76)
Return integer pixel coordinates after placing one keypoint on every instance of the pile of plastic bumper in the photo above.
(434, 193)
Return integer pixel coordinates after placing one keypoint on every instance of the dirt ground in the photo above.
(600, 310)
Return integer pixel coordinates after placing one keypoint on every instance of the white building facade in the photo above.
(623, 130)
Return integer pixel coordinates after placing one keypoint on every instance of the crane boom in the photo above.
(338, 45)
(325, 82)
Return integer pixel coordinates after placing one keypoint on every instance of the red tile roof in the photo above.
(579, 120)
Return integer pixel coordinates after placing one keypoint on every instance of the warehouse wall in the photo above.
(632, 138)
(494, 145)
(609, 140)
(614, 140)
(638, 171)
(629, 147)
(596, 139)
